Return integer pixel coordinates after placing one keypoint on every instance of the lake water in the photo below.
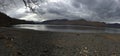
(68, 28)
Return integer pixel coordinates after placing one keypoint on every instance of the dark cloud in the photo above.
(104, 9)
(57, 11)
(98, 10)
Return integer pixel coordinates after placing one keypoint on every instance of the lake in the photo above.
(67, 28)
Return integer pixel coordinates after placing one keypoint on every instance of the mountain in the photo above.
(8, 21)
(81, 22)
(74, 22)
(115, 25)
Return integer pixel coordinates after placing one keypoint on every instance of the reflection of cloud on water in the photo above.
(68, 28)
(34, 27)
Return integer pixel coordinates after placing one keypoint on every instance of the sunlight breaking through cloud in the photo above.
(95, 10)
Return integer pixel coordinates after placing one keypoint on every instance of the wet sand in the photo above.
(22, 42)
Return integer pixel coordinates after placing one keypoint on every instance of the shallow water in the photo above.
(67, 28)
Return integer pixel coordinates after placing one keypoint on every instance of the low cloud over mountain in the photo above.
(95, 10)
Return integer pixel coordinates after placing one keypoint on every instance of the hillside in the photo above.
(74, 22)
(7, 21)
(80, 22)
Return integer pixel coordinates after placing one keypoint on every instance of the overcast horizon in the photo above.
(94, 10)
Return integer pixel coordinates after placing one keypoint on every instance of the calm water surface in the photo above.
(68, 28)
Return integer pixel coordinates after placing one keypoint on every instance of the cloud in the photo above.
(65, 8)
(103, 10)
(96, 10)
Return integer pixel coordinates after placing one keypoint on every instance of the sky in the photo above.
(93, 10)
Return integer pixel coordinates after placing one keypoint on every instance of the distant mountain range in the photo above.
(8, 21)
(81, 22)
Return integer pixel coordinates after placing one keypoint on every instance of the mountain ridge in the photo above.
(81, 22)
(8, 21)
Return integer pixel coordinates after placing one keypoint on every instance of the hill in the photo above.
(74, 22)
(80, 22)
(8, 21)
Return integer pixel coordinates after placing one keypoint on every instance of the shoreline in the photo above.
(67, 28)
(23, 42)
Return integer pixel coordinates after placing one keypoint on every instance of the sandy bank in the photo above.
(21, 42)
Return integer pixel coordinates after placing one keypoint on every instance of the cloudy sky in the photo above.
(95, 10)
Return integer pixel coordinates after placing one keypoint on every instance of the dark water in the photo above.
(68, 28)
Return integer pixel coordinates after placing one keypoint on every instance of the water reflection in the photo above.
(68, 28)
